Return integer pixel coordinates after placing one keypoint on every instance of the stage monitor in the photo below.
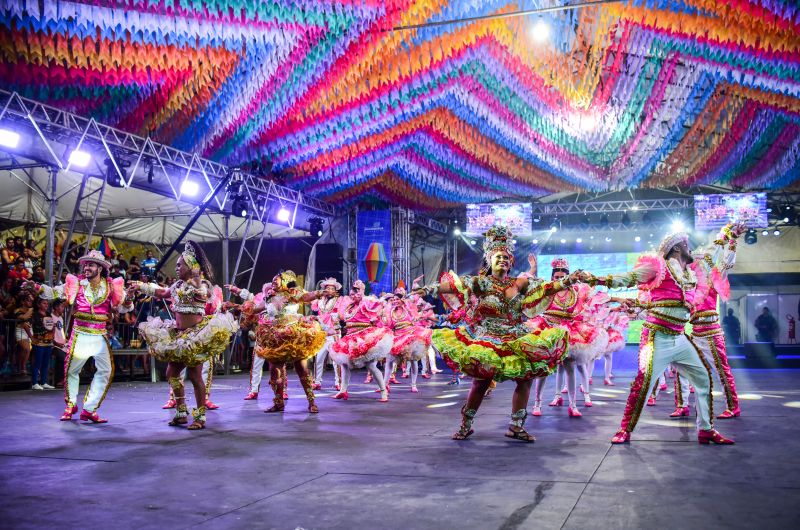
(712, 212)
(516, 216)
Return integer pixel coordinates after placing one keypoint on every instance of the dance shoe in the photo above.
(583, 390)
(691, 389)
(312, 408)
(384, 395)
(436, 371)
(337, 386)
(680, 412)
(285, 395)
(587, 401)
(573, 412)
(608, 382)
(251, 396)
(651, 402)
(455, 381)
(316, 386)
(536, 410)
(557, 402)
(68, 412)
(341, 395)
(210, 405)
(662, 387)
(92, 417)
(426, 376)
(393, 380)
(622, 437)
(564, 390)
(414, 389)
(404, 376)
(712, 437)
(728, 414)
(170, 404)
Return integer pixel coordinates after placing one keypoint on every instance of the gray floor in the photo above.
(365, 464)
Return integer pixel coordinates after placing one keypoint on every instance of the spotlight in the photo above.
(283, 215)
(579, 240)
(537, 218)
(765, 232)
(471, 241)
(647, 217)
(776, 232)
(239, 206)
(456, 231)
(635, 207)
(189, 188)
(678, 226)
(604, 221)
(625, 220)
(535, 241)
(750, 237)
(563, 241)
(9, 139)
(540, 31)
(315, 225)
(584, 223)
(514, 241)
(608, 239)
(235, 187)
(79, 158)
(112, 177)
(786, 219)
(637, 239)
(555, 225)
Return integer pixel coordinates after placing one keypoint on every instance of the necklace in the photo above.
(570, 298)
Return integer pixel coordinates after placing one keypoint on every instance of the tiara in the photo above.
(498, 238)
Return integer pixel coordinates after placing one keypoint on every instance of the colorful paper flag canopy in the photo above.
(619, 95)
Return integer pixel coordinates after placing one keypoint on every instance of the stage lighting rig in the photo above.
(315, 226)
(240, 207)
(113, 178)
(750, 237)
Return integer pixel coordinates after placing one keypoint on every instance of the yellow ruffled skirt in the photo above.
(192, 346)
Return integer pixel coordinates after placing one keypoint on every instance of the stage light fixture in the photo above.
(315, 226)
(637, 239)
(79, 158)
(608, 239)
(189, 188)
(540, 31)
(9, 139)
(647, 217)
(555, 225)
(678, 226)
(537, 218)
(456, 231)
(579, 240)
(604, 221)
(786, 219)
(750, 237)
(563, 241)
(535, 241)
(625, 220)
(283, 215)
(239, 206)
(776, 232)
(765, 232)
(585, 222)
(113, 178)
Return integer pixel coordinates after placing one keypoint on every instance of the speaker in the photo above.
(329, 262)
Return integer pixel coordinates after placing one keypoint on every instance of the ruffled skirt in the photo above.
(615, 341)
(586, 342)
(411, 344)
(191, 346)
(362, 347)
(534, 354)
(288, 341)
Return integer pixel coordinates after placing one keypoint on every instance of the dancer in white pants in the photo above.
(325, 307)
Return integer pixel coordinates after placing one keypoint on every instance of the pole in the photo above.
(51, 228)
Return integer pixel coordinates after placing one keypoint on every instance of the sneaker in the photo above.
(48, 387)
(37, 387)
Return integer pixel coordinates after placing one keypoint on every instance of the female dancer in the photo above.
(411, 341)
(494, 345)
(365, 341)
(426, 318)
(284, 336)
(193, 337)
(324, 307)
(584, 339)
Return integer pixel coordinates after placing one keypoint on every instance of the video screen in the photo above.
(712, 212)
(516, 216)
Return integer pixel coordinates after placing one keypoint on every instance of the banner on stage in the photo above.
(374, 247)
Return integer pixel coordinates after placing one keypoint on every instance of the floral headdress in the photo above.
(670, 241)
(190, 257)
(560, 263)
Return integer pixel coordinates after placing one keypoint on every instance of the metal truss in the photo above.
(246, 260)
(572, 208)
(401, 245)
(79, 219)
(61, 132)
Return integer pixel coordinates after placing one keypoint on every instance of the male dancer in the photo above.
(94, 297)
(667, 285)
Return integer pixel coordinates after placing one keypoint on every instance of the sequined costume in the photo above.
(411, 340)
(494, 343)
(194, 345)
(324, 307)
(667, 292)
(92, 312)
(711, 267)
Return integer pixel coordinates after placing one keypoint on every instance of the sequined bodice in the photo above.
(188, 299)
(496, 313)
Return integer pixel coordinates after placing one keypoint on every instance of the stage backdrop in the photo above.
(374, 247)
(784, 309)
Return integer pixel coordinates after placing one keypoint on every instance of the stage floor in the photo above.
(365, 464)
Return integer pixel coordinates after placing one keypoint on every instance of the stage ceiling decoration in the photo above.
(374, 101)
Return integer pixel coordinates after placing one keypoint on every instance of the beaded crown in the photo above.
(498, 238)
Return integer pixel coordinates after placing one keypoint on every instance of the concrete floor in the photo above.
(365, 464)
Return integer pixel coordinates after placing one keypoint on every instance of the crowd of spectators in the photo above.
(32, 329)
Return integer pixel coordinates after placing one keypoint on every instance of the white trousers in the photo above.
(84, 347)
(319, 361)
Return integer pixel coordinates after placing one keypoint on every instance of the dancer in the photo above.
(711, 267)
(617, 328)
(94, 297)
(193, 337)
(324, 307)
(284, 336)
(494, 345)
(364, 342)
(668, 285)
(583, 339)
(411, 341)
